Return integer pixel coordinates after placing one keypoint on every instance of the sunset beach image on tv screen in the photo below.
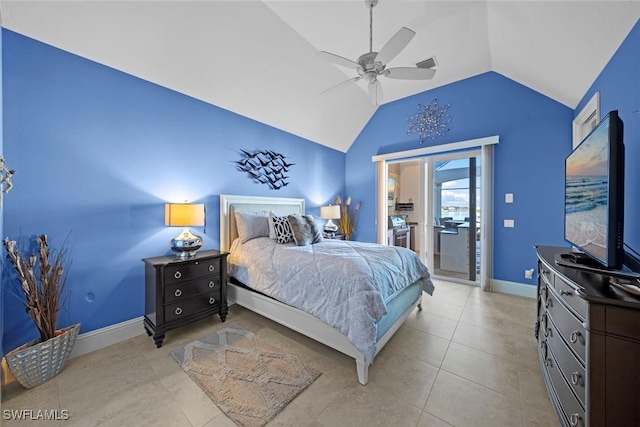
(586, 190)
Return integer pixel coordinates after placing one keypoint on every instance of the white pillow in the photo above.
(252, 224)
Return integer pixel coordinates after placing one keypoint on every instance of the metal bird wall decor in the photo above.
(265, 167)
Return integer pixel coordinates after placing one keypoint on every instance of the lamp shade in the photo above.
(184, 214)
(330, 212)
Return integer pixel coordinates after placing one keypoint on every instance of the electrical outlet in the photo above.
(508, 198)
(509, 223)
(528, 274)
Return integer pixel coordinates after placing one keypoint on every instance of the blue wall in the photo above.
(535, 137)
(619, 87)
(98, 152)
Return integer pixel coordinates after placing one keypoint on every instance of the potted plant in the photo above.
(347, 220)
(41, 280)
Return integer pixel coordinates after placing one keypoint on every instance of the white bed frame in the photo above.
(281, 313)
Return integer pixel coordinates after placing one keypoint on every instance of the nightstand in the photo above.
(334, 237)
(181, 291)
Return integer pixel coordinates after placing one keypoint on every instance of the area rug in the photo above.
(250, 380)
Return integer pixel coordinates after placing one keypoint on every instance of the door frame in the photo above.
(486, 221)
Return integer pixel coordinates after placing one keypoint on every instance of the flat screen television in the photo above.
(594, 194)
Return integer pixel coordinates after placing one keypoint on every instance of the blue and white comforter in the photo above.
(345, 284)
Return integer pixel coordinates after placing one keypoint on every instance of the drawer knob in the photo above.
(177, 275)
(211, 267)
(212, 300)
(178, 311)
(211, 283)
(575, 419)
(563, 292)
(575, 378)
(178, 292)
(574, 336)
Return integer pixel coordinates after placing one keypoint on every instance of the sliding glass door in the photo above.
(455, 183)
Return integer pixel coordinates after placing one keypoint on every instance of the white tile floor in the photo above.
(468, 359)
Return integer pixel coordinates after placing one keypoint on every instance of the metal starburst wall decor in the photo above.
(430, 121)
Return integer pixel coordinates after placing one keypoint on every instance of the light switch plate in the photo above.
(508, 198)
(509, 223)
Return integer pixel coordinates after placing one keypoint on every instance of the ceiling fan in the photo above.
(371, 65)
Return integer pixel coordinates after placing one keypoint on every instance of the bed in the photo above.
(309, 323)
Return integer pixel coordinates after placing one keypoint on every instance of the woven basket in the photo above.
(32, 364)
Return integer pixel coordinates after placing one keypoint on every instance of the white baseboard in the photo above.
(515, 288)
(103, 337)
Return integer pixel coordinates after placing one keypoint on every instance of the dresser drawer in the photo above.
(186, 308)
(570, 328)
(572, 410)
(568, 294)
(572, 370)
(178, 291)
(191, 270)
(546, 275)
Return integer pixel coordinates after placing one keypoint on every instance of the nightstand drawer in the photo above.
(179, 291)
(191, 270)
(186, 308)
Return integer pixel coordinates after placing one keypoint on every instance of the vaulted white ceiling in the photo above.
(258, 58)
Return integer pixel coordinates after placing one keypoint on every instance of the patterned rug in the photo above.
(248, 379)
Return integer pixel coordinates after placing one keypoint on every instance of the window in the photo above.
(588, 118)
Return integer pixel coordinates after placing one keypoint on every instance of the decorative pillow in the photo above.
(252, 224)
(282, 229)
(305, 230)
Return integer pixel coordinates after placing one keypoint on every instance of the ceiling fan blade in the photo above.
(410, 73)
(375, 92)
(354, 79)
(339, 60)
(395, 45)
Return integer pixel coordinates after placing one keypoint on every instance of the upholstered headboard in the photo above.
(230, 203)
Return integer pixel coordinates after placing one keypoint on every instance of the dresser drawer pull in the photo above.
(574, 336)
(547, 332)
(575, 419)
(177, 275)
(545, 275)
(178, 311)
(546, 299)
(575, 378)
(211, 267)
(178, 292)
(563, 292)
(547, 359)
(212, 300)
(211, 283)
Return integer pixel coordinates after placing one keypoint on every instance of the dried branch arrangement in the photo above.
(41, 283)
(347, 221)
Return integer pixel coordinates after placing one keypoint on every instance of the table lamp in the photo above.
(184, 215)
(330, 212)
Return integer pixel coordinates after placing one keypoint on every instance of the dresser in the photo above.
(181, 291)
(588, 336)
